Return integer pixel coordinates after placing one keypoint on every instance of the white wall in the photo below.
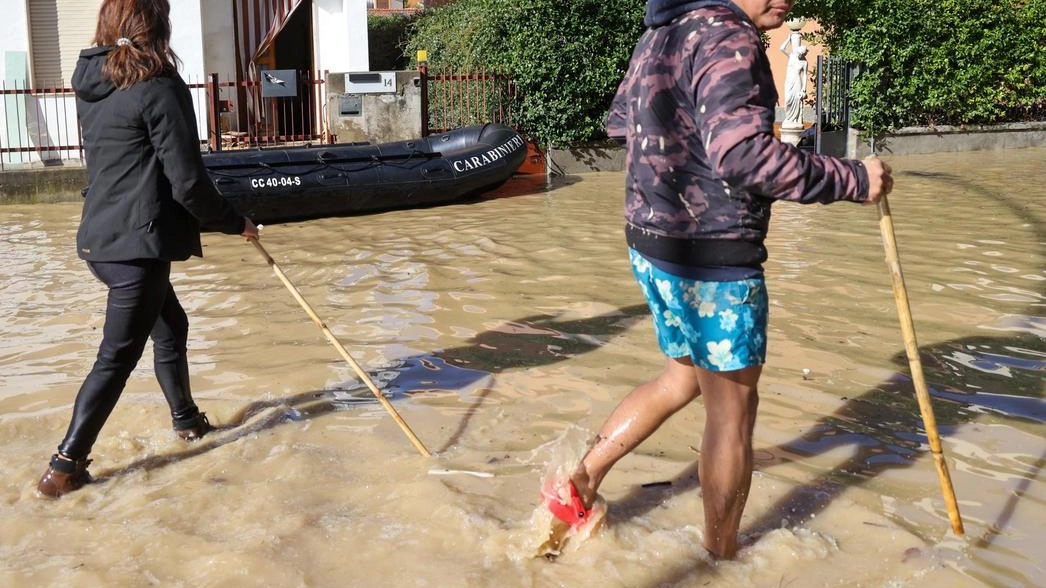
(187, 43)
(187, 37)
(219, 39)
(201, 35)
(20, 125)
(14, 38)
(341, 35)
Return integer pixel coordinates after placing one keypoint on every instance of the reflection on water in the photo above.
(504, 331)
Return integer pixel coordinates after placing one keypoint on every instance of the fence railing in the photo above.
(834, 78)
(454, 100)
(39, 126)
(239, 117)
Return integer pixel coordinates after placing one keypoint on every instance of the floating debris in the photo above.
(449, 472)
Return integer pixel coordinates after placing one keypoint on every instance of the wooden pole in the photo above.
(911, 347)
(341, 349)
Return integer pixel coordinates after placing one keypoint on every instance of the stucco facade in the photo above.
(209, 36)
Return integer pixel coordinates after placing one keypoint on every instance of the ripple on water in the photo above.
(497, 326)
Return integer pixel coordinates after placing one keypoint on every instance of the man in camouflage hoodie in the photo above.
(696, 110)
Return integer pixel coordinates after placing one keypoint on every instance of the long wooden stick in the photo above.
(911, 347)
(341, 349)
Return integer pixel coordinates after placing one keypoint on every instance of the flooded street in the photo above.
(504, 331)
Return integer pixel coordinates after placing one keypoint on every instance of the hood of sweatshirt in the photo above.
(661, 12)
(90, 83)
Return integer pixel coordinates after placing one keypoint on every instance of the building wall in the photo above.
(41, 123)
(383, 117)
(219, 42)
(186, 22)
(187, 36)
(202, 36)
(341, 35)
(14, 59)
(187, 42)
(14, 41)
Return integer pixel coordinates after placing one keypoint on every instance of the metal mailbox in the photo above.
(370, 82)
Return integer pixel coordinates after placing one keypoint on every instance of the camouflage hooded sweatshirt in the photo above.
(696, 110)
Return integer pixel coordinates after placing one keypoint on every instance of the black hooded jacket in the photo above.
(148, 191)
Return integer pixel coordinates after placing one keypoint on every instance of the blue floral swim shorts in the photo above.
(720, 325)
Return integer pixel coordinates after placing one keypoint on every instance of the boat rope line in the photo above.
(263, 168)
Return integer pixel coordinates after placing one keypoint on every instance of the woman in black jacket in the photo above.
(148, 196)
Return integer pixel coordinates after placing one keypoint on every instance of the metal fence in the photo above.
(240, 117)
(832, 96)
(39, 126)
(454, 100)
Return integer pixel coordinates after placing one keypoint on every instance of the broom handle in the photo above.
(341, 349)
(911, 347)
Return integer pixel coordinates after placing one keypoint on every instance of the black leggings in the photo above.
(141, 304)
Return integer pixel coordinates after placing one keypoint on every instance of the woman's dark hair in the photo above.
(146, 24)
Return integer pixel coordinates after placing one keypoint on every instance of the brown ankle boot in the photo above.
(63, 477)
(196, 431)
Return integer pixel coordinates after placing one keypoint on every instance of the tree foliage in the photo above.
(565, 57)
(386, 35)
(933, 62)
(922, 62)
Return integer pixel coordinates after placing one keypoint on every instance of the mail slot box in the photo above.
(350, 105)
(370, 82)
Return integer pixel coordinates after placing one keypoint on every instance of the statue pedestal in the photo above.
(791, 131)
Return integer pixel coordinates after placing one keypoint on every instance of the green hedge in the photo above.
(936, 62)
(566, 57)
(923, 62)
(386, 36)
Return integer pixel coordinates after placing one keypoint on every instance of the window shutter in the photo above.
(43, 31)
(60, 29)
(77, 20)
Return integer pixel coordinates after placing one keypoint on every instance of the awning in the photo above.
(258, 24)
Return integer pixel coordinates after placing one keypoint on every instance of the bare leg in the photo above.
(725, 465)
(637, 416)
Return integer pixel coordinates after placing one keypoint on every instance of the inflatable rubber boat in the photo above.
(295, 183)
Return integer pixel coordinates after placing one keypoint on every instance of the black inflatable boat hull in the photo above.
(294, 183)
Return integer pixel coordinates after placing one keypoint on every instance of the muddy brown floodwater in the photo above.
(504, 331)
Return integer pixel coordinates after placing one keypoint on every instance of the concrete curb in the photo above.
(949, 139)
(906, 141)
(43, 184)
(579, 160)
